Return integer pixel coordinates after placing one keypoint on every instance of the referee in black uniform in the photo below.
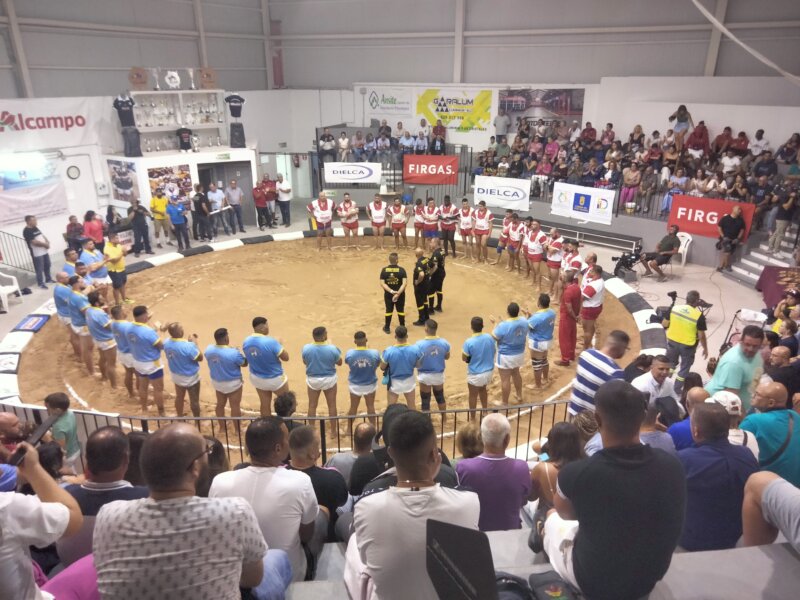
(437, 275)
(393, 282)
(421, 285)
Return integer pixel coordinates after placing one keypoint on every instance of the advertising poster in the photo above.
(701, 216)
(430, 169)
(30, 185)
(503, 192)
(124, 185)
(550, 105)
(339, 172)
(583, 203)
(176, 181)
(460, 110)
(390, 103)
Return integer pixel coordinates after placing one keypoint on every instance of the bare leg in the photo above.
(129, 381)
(144, 383)
(330, 400)
(483, 394)
(391, 397)
(75, 342)
(194, 399)
(756, 531)
(329, 235)
(87, 347)
(354, 402)
(369, 400)
(111, 365)
(158, 395)
(405, 238)
(411, 399)
(505, 385)
(222, 400)
(180, 395)
(517, 379)
(313, 400)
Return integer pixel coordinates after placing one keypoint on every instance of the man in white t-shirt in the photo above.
(658, 384)
(284, 199)
(388, 545)
(175, 543)
(27, 521)
(217, 199)
(283, 500)
(502, 122)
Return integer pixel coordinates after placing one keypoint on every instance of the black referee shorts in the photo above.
(399, 306)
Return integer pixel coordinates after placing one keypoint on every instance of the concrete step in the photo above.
(770, 260)
(744, 274)
(330, 564)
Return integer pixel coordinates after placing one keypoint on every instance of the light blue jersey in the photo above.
(434, 350)
(143, 341)
(541, 325)
(99, 324)
(510, 335)
(78, 303)
(120, 330)
(363, 363)
(61, 294)
(89, 258)
(182, 356)
(262, 352)
(480, 348)
(224, 362)
(402, 360)
(320, 359)
(69, 268)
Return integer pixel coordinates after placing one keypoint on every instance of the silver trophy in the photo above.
(147, 146)
(156, 73)
(219, 141)
(190, 73)
(195, 143)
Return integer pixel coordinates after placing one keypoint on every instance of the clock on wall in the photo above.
(73, 172)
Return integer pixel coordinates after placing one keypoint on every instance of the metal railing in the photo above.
(15, 252)
(529, 422)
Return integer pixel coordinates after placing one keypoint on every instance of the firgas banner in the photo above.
(430, 169)
(701, 216)
(461, 110)
(584, 203)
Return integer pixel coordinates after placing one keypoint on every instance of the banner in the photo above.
(339, 172)
(430, 169)
(459, 110)
(584, 203)
(503, 192)
(389, 103)
(30, 185)
(701, 216)
(550, 105)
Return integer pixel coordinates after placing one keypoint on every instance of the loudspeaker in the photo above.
(237, 135)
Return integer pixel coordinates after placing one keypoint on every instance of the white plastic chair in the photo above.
(686, 241)
(8, 286)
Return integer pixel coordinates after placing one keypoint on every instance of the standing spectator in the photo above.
(627, 502)
(65, 430)
(502, 123)
(200, 214)
(283, 500)
(502, 483)
(596, 367)
(439, 130)
(158, 208)
(737, 368)
(686, 327)
(176, 213)
(271, 193)
(569, 318)
(390, 525)
(114, 254)
(216, 198)
(74, 233)
(683, 122)
(284, 200)
(777, 429)
(166, 542)
(731, 231)
(32, 520)
(363, 435)
(94, 228)
(716, 473)
(39, 247)
(783, 218)
(233, 196)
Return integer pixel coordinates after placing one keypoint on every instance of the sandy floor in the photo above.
(297, 289)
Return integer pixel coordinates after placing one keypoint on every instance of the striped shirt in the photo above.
(594, 369)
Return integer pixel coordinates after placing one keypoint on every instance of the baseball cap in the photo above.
(729, 400)
(794, 292)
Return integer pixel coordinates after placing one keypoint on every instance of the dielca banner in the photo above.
(503, 192)
(701, 216)
(339, 172)
(430, 169)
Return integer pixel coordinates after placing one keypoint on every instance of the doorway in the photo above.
(222, 174)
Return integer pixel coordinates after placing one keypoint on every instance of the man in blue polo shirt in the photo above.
(264, 355)
(540, 337)
(362, 380)
(183, 359)
(146, 348)
(78, 304)
(399, 362)
(95, 261)
(70, 258)
(225, 364)
(61, 295)
(120, 327)
(321, 360)
(99, 324)
(511, 335)
(478, 352)
(430, 373)
(176, 213)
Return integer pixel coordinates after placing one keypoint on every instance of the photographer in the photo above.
(731, 230)
(665, 250)
(686, 326)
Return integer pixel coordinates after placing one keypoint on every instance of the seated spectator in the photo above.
(530, 165)
(660, 388)
(551, 149)
(692, 380)
(650, 432)
(733, 405)
(647, 188)
(653, 157)
(738, 190)
(739, 144)
(134, 473)
(665, 250)
(468, 441)
(608, 135)
(438, 147)
(781, 369)
(357, 145)
(502, 483)
(777, 430)
(771, 505)
(74, 234)
(421, 144)
(283, 500)
(515, 167)
(37, 520)
(619, 514)
(329, 485)
(560, 170)
(715, 186)
(503, 166)
(370, 148)
(503, 149)
(611, 176)
(363, 434)
(217, 463)
(636, 140)
(787, 153)
(681, 432)
(575, 171)
(174, 541)
(588, 134)
(788, 333)
(638, 366)
(592, 172)
(545, 167)
(536, 148)
(765, 166)
(65, 430)
(614, 153)
(697, 184)
(716, 473)
(677, 185)
(107, 458)
(722, 141)
(285, 405)
(697, 144)
(390, 525)
(406, 143)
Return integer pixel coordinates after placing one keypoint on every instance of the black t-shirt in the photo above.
(30, 233)
(515, 168)
(785, 214)
(765, 168)
(124, 108)
(368, 468)
(385, 129)
(421, 266)
(631, 372)
(184, 138)
(200, 200)
(330, 490)
(790, 343)
(761, 193)
(789, 376)
(235, 103)
(437, 260)
(446, 478)
(630, 504)
(437, 147)
(139, 215)
(731, 227)
(393, 276)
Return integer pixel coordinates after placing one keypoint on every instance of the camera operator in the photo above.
(686, 326)
(731, 230)
(665, 250)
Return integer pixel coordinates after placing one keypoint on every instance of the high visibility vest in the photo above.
(683, 324)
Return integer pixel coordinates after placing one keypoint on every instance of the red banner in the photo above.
(701, 216)
(430, 169)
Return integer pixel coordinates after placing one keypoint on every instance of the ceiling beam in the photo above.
(266, 27)
(458, 42)
(17, 48)
(201, 31)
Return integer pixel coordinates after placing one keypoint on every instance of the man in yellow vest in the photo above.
(686, 326)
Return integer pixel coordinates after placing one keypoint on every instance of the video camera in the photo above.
(626, 262)
(663, 312)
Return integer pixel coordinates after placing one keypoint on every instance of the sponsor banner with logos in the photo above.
(30, 185)
(430, 169)
(460, 110)
(389, 103)
(701, 216)
(503, 192)
(584, 203)
(362, 172)
(36, 124)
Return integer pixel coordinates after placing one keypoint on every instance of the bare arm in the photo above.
(564, 507)
(252, 574)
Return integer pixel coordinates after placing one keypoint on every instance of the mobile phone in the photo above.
(19, 454)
